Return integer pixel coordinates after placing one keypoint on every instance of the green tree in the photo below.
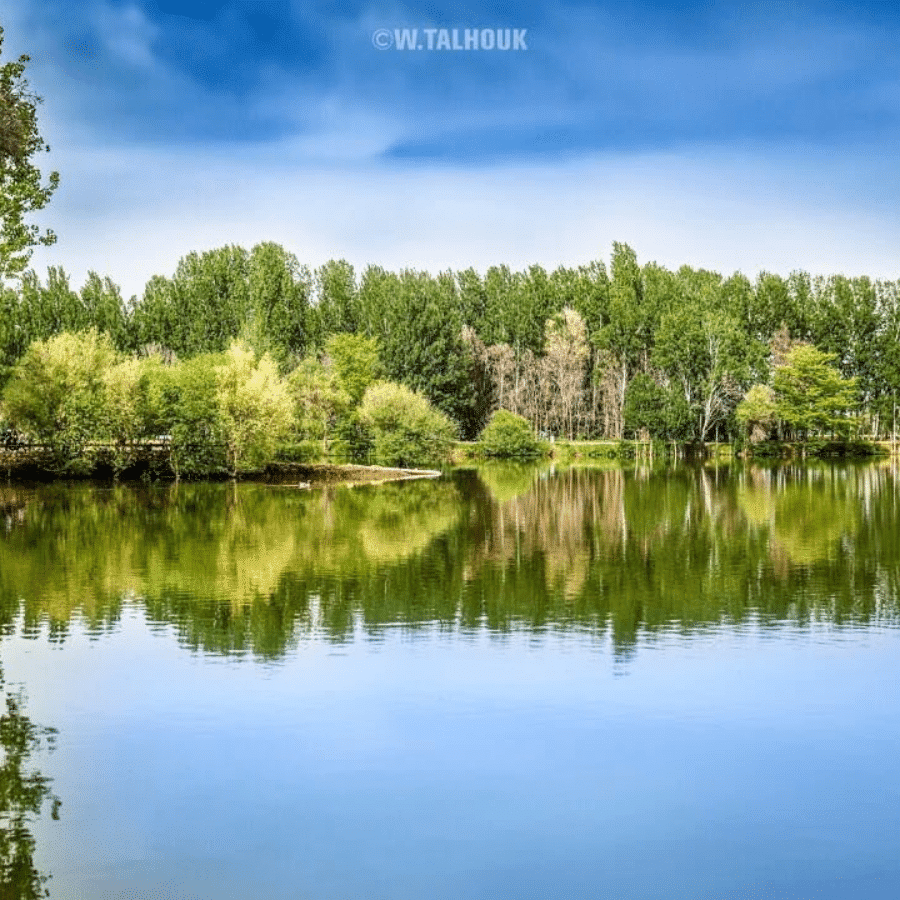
(279, 290)
(811, 395)
(507, 435)
(474, 303)
(422, 344)
(21, 188)
(131, 411)
(886, 352)
(660, 409)
(376, 296)
(14, 335)
(737, 298)
(403, 428)
(645, 407)
(101, 300)
(771, 306)
(56, 395)
(758, 412)
(703, 352)
(154, 321)
(541, 304)
(337, 301)
(355, 362)
(585, 290)
(626, 336)
(800, 314)
(50, 308)
(319, 401)
(255, 408)
(503, 297)
(185, 397)
(203, 307)
(212, 299)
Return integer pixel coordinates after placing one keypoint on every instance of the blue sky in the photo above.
(752, 137)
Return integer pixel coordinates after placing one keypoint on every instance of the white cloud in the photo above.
(128, 35)
(132, 216)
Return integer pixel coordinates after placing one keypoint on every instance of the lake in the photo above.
(511, 682)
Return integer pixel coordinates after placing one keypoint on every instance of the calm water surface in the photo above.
(509, 683)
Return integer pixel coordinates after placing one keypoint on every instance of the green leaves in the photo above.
(355, 363)
(703, 352)
(645, 403)
(57, 394)
(419, 331)
(403, 427)
(508, 435)
(812, 396)
(561, 348)
(337, 308)
(217, 296)
(21, 188)
(279, 293)
(758, 411)
(319, 401)
(184, 396)
(253, 405)
(128, 415)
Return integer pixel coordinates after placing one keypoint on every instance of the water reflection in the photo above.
(464, 735)
(24, 792)
(616, 551)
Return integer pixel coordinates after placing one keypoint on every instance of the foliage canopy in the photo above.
(507, 435)
(402, 428)
(21, 188)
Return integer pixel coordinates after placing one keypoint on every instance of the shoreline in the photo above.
(564, 450)
(319, 474)
(35, 467)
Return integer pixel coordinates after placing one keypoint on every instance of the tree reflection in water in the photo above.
(621, 552)
(23, 794)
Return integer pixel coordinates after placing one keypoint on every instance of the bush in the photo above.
(507, 435)
(56, 395)
(402, 428)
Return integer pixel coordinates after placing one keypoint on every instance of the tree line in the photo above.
(85, 406)
(594, 351)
